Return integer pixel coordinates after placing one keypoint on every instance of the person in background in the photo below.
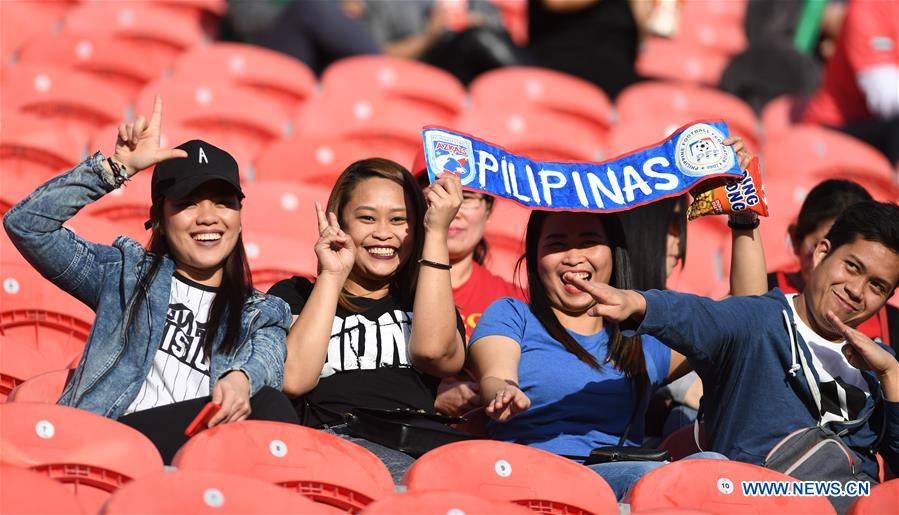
(821, 207)
(378, 328)
(463, 38)
(858, 94)
(178, 324)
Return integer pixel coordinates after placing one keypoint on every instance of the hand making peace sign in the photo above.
(137, 144)
(334, 249)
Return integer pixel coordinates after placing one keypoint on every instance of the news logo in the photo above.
(700, 151)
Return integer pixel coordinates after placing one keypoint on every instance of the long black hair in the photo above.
(406, 277)
(646, 229)
(825, 202)
(232, 293)
(625, 352)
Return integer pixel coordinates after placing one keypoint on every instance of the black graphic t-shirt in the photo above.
(180, 370)
(368, 362)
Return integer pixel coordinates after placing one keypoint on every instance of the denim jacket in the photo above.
(114, 364)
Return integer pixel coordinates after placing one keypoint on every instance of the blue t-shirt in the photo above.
(574, 408)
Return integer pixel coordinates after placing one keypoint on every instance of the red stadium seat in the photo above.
(36, 313)
(581, 103)
(91, 454)
(679, 104)
(18, 362)
(25, 491)
(240, 121)
(884, 499)
(161, 35)
(273, 258)
(705, 272)
(507, 224)
(282, 209)
(440, 502)
(24, 20)
(715, 486)
(32, 151)
(46, 387)
(502, 471)
(780, 114)
(388, 128)
(678, 59)
(323, 467)
(205, 13)
(412, 82)
(258, 69)
(315, 160)
(100, 55)
(191, 491)
(539, 135)
(682, 443)
(74, 101)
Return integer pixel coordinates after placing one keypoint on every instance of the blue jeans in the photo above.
(621, 475)
(396, 462)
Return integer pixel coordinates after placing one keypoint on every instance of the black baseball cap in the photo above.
(176, 178)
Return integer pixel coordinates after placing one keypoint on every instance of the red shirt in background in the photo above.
(481, 289)
(868, 38)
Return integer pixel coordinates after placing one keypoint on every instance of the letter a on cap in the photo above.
(202, 158)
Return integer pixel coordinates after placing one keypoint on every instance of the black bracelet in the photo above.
(434, 264)
(743, 222)
(119, 172)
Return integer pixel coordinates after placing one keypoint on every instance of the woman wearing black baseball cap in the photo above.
(178, 324)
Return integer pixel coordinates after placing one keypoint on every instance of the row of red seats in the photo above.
(106, 463)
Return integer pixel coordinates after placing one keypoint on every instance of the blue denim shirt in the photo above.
(114, 365)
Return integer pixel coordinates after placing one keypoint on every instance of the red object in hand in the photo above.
(201, 421)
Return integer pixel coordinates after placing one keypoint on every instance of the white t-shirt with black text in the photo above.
(843, 388)
(180, 370)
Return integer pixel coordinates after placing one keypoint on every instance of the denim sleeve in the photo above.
(35, 226)
(262, 357)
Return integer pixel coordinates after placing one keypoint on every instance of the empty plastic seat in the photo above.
(24, 20)
(502, 471)
(18, 362)
(581, 103)
(413, 82)
(73, 100)
(259, 69)
(46, 387)
(93, 455)
(101, 55)
(36, 313)
(192, 491)
(780, 114)
(32, 151)
(677, 59)
(387, 127)
(25, 491)
(320, 466)
(240, 121)
(539, 135)
(272, 258)
(162, 35)
(283, 209)
(440, 503)
(316, 160)
(682, 443)
(806, 150)
(884, 499)
(506, 225)
(679, 104)
(715, 486)
(127, 204)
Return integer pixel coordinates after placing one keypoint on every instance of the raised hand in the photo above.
(444, 198)
(137, 144)
(862, 352)
(509, 401)
(743, 155)
(611, 303)
(334, 249)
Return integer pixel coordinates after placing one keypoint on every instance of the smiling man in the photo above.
(755, 353)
